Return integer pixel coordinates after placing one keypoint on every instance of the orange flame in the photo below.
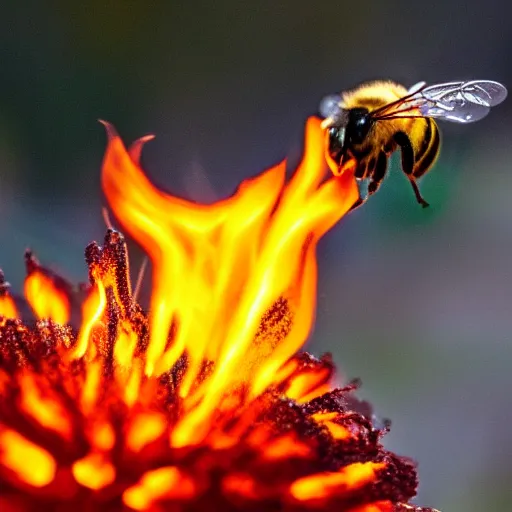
(218, 269)
(203, 401)
(28, 461)
(8, 307)
(92, 310)
(47, 301)
(168, 481)
(46, 410)
(94, 471)
(321, 485)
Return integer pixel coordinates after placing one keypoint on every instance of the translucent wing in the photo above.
(416, 87)
(330, 105)
(460, 102)
(331, 110)
(480, 92)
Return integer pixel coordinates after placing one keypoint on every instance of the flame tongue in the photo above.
(7, 306)
(218, 269)
(46, 292)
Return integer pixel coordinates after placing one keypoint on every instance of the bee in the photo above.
(366, 125)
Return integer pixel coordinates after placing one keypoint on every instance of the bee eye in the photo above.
(362, 127)
(359, 125)
(336, 142)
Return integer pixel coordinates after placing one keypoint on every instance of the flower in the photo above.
(203, 402)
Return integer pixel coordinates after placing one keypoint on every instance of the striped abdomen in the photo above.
(426, 146)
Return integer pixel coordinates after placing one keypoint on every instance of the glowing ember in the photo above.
(203, 403)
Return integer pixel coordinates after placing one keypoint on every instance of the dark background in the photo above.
(415, 302)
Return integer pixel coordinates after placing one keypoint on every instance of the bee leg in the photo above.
(407, 151)
(375, 170)
(417, 193)
(362, 186)
(378, 173)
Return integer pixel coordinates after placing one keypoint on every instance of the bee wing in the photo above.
(416, 87)
(332, 111)
(479, 92)
(457, 112)
(460, 102)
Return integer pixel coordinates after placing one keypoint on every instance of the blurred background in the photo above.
(415, 302)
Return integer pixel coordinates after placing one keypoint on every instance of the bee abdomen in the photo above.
(429, 149)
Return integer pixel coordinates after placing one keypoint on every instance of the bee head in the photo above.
(358, 126)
